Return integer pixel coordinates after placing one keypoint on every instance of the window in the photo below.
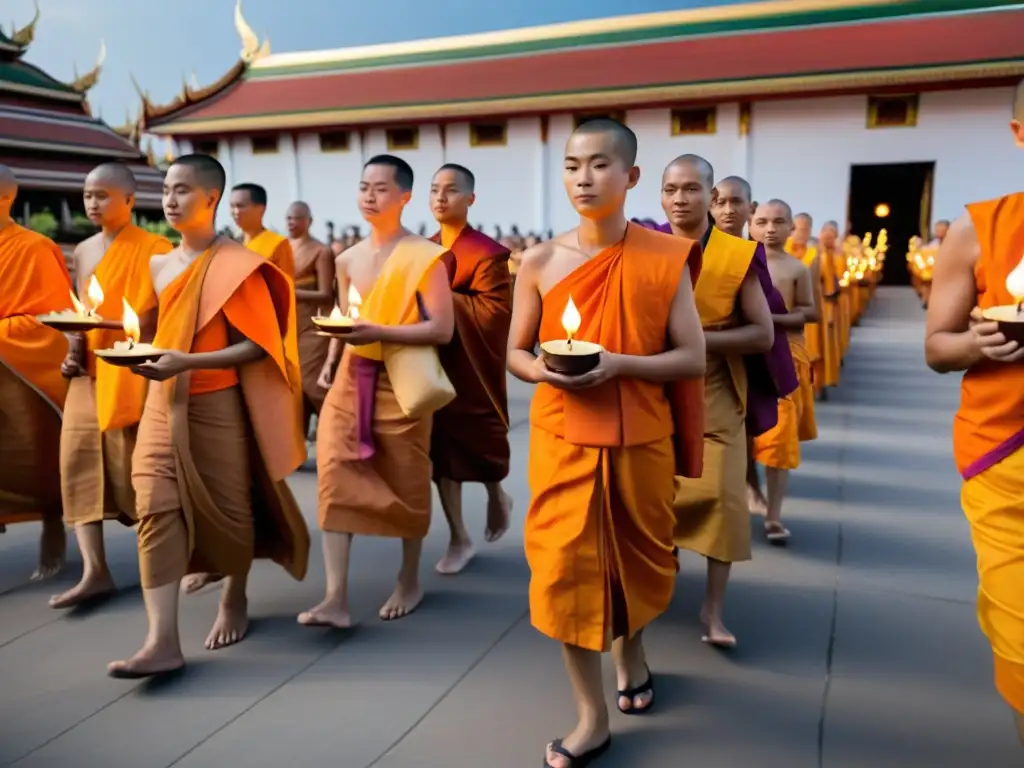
(264, 145)
(334, 141)
(488, 134)
(896, 111)
(581, 118)
(205, 148)
(403, 138)
(698, 120)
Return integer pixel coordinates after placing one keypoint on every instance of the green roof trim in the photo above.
(778, 20)
(24, 74)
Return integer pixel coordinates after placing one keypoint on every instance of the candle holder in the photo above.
(128, 353)
(570, 357)
(334, 326)
(70, 321)
(1010, 319)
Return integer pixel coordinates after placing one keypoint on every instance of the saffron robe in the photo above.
(813, 332)
(276, 249)
(35, 280)
(209, 469)
(313, 347)
(830, 351)
(469, 441)
(988, 445)
(373, 461)
(599, 528)
(779, 447)
(103, 408)
(712, 517)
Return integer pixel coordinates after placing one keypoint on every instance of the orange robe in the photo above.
(312, 346)
(843, 306)
(469, 442)
(813, 332)
(373, 461)
(276, 249)
(712, 517)
(779, 447)
(34, 280)
(214, 447)
(599, 527)
(831, 352)
(988, 445)
(104, 407)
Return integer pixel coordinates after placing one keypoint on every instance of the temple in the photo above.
(846, 108)
(51, 140)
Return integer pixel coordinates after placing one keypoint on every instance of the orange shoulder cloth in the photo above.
(276, 248)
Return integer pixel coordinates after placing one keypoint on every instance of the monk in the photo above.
(373, 450)
(602, 457)
(971, 273)
(802, 247)
(104, 403)
(939, 232)
(711, 511)
(831, 258)
(219, 433)
(35, 281)
(248, 207)
(779, 448)
(469, 442)
(314, 294)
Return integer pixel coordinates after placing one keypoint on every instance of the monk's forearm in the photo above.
(522, 364)
(230, 357)
(323, 297)
(334, 351)
(749, 339)
(679, 363)
(791, 321)
(948, 352)
(811, 314)
(426, 334)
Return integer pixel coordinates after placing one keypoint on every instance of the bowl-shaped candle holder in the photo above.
(124, 354)
(571, 358)
(70, 321)
(334, 326)
(1010, 320)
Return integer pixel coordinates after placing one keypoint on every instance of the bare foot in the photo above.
(402, 602)
(716, 635)
(89, 588)
(149, 661)
(776, 532)
(196, 581)
(53, 547)
(230, 627)
(756, 502)
(327, 614)
(580, 743)
(455, 559)
(499, 511)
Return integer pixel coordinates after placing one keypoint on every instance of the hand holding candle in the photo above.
(1015, 284)
(566, 357)
(341, 322)
(95, 294)
(1011, 317)
(130, 352)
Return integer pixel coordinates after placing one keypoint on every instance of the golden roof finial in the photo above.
(89, 79)
(150, 156)
(22, 37)
(251, 48)
(195, 82)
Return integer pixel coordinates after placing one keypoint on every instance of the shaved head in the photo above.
(8, 191)
(208, 171)
(299, 208)
(702, 166)
(8, 181)
(1018, 103)
(784, 206)
(624, 141)
(115, 175)
(800, 216)
(468, 179)
(831, 225)
(740, 185)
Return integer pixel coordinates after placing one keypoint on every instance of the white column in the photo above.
(542, 167)
(289, 145)
(225, 152)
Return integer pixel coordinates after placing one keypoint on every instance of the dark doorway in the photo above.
(905, 189)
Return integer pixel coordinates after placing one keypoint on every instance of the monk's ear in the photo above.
(131, 201)
(634, 177)
(213, 199)
(1018, 132)
(472, 199)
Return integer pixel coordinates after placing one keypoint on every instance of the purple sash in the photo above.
(366, 373)
(1002, 451)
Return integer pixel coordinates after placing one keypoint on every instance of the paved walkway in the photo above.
(858, 644)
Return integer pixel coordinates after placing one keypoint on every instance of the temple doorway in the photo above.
(896, 197)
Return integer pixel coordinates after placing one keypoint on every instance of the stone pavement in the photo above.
(858, 644)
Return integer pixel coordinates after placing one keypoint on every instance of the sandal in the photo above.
(579, 761)
(632, 693)
(776, 533)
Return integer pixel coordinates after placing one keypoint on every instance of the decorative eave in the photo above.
(84, 83)
(962, 47)
(23, 37)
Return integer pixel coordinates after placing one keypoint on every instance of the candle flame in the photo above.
(336, 314)
(1015, 282)
(571, 319)
(78, 306)
(95, 293)
(354, 301)
(130, 322)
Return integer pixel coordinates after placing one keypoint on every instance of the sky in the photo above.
(162, 43)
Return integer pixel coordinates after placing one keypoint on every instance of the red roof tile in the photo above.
(29, 128)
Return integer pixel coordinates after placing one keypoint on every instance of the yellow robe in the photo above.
(712, 518)
(813, 332)
(779, 447)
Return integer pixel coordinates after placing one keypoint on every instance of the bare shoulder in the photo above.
(161, 260)
(961, 245)
(346, 257)
(537, 256)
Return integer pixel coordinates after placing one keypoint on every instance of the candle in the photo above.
(79, 308)
(130, 323)
(354, 301)
(336, 315)
(571, 320)
(1015, 284)
(95, 294)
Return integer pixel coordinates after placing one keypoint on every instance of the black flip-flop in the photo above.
(632, 693)
(577, 761)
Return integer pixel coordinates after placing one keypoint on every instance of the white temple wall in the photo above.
(799, 149)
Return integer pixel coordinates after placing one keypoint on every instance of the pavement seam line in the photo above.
(452, 687)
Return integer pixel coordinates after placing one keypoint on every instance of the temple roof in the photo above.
(732, 50)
